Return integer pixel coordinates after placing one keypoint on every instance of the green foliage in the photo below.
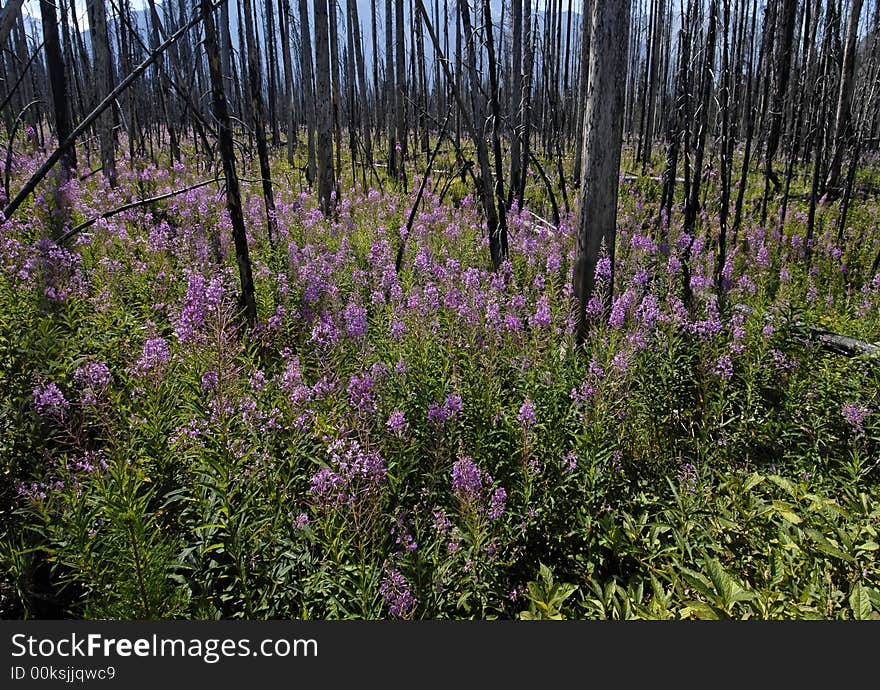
(546, 597)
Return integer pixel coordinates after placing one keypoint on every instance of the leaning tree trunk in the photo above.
(487, 191)
(255, 84)
(247, 300)
(603, 129)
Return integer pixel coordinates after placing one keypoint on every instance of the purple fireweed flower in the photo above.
(542, 318)
(466, 480)
(452, 406)
(202, 302)
(210, 379)
(324, 332)
(355, 320)
(648, 311)
(497, 503)
(527, 417)
(687, 475)
(397, 594)
(619, 309)
(353, 475)
(603, 270)
(360, 393)
(436, 416)
(512, 323)
(855, 416)
(724, 367)
(402, 536)
(470, 486)
(398, 328)
(50, 401)
(709, 326)
(92, 378)
(442, 524)
(153, 357)
(301, 521)
(396, 423)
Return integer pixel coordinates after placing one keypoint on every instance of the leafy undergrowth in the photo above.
(429, 444)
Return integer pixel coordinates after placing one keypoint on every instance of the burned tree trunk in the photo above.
(255, 85)
(843, 115)
(305, 55)
(603, 128)
(326, 172)
(247, 300)
(104, 82)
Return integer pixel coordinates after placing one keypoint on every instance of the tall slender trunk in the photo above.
(692, 203)
(526, 121)
(58, 87)
(104, 82)
(255, 84)
(842, 117)
(305, 55)
(362, 81)
(495, 110)
(164, 88)
(603, 130)
(335, 82)
(287, 59)
(487, 190)
(323, 99)
(516, 99)
(647, 152)
(390, 91)
(247, 300)
(400, 92)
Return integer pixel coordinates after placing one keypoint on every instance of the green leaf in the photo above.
(860, 602)
(783, 484)
(785, 511)
(721, 581)
(698, 582)
(701, 610)
(727, 588)
(753, 481)
(827, 547)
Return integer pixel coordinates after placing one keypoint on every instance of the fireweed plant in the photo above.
(430, 444)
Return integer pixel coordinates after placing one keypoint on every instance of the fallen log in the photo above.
(841, 344)
(827, 340)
